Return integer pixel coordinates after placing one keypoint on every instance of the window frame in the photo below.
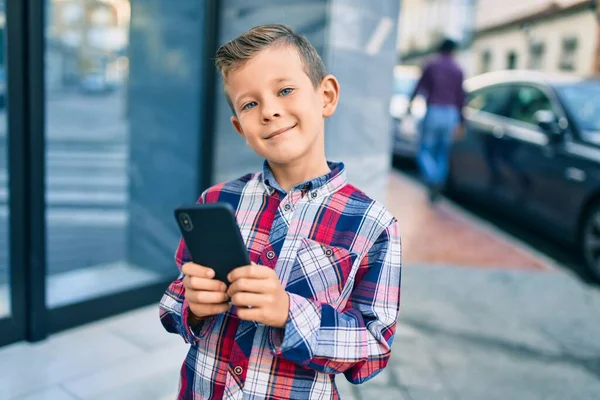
(557, 108)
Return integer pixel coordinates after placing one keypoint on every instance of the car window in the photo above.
(528, 100)
(582, 100)
(493, 99)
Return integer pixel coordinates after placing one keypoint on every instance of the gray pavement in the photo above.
(493, 334)
(464, 334)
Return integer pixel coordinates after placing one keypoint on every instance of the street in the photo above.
(489, 310)
(483, 316)
(510, 228)
(87, 180)
(500, 273)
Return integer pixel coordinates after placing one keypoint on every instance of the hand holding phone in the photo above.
(213, 238)
(205, 295)
(259, 295)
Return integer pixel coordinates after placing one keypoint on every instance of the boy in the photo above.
(322, 294)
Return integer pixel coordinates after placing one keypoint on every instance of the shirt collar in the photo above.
(328, 183)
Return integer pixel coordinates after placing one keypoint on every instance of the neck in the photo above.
(292, 174)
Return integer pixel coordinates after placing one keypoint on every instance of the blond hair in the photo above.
(239, 50)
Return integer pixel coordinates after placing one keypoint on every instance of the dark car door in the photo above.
(485, 113)
(537, 172)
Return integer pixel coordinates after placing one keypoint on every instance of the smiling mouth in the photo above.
(280, 131)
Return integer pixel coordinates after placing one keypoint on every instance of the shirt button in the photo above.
(287, 207)
(238, 370)
(328, 252)
(271, 255)
(314, 194)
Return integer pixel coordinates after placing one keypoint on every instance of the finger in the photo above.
(250, 271)
(219, 308)
(250, 314)
(209, 285)
(214, 309)
(202, 297)
(192, 269)
(249, 299)
(250, 286)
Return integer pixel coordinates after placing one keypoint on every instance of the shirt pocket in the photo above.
(320, 272)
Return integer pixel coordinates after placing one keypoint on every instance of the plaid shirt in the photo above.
(337, 253)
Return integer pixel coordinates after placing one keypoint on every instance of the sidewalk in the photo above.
(493, 334)
(446, 235)
(464, 333)
(483, 317)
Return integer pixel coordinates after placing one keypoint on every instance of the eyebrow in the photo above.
(237, 101)
(279, 80)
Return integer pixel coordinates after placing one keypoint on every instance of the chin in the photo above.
(283, 154)
(282, 157)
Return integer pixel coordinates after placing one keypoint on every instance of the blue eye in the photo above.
(249, 106)
(285, 91)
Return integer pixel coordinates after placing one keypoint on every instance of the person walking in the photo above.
(442, 85)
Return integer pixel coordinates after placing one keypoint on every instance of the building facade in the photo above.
(546, 35)
(424, 23)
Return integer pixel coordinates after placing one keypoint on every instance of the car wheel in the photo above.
(590, 241)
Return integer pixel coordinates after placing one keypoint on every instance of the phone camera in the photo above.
(186, 222)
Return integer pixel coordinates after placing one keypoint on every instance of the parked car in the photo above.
(96, 82)
(405, 128)
(532, 147)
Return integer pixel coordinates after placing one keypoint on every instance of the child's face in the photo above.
(278, 110)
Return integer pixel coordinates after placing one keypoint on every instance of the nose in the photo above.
(271, 110)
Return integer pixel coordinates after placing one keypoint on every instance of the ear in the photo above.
(330, 91)
(237, 126)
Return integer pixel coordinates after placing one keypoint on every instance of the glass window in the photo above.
(493, 100)
(582, 99)
(89, 237)
(511, 60)
(4, 192)
(567, 61)
(536, 55)
(486, 61)
(528, 100)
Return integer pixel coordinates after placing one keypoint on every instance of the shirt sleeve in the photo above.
(356, 341)
(424, 83)
(174, 309)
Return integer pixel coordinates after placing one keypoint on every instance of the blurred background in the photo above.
(111, 115)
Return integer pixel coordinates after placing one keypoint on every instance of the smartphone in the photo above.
(212, 237)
